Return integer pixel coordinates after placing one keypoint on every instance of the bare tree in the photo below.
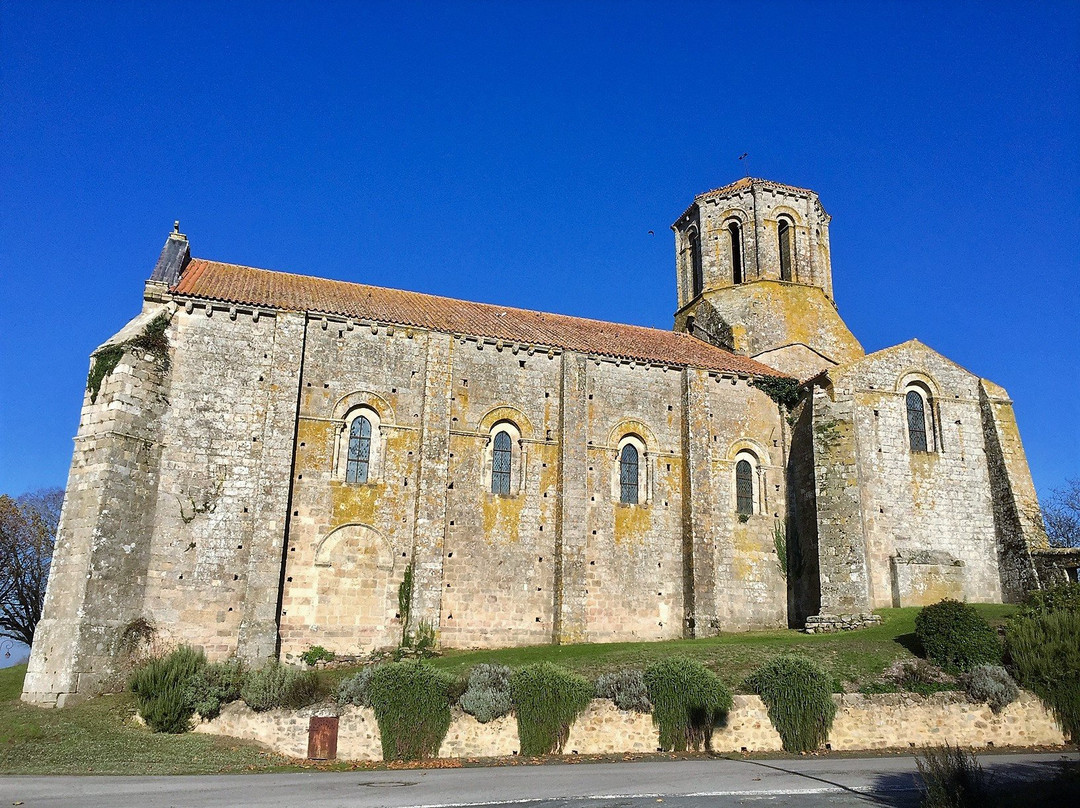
(27, 535)
(1061, 512)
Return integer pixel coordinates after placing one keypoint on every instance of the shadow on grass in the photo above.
(911, 643)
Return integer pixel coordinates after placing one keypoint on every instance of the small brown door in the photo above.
(322, 738)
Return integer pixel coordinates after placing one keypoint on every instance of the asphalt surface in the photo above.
(812, 782)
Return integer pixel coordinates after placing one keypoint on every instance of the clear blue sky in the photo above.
(520, 153)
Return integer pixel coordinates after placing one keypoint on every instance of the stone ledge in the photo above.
(831, 623)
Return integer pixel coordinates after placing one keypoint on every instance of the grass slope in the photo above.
(101, 737)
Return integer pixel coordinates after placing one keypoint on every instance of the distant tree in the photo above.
(1061, 512)
(27, 536)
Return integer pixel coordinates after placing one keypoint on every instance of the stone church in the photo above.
(268, 461)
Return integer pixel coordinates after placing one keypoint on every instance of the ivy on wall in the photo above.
(783, 391)
(151, 341)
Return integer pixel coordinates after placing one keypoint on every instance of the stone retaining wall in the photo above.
(892, 720)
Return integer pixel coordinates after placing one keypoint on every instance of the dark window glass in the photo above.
(786, 233)
(744, 487)
(501, 460)
(628, 474)
(916, 421)
(695, 262)
(356, 470)
(736, 253)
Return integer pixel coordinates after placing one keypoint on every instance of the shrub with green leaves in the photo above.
(277, 685)
(547, 698)
(316, 653)
(626, 688)
(1045, 652)
(952, 778)
(798, 695)
(160, 689)
(1063, 597)
(487, 695)
(956, 637)
(214, 685)
(354, 689)
(688, 701)
(412, 706)
(992, 684)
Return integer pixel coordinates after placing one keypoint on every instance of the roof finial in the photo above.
(176, 227)
(744, 158)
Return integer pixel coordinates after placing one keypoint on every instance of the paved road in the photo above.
(676, 784)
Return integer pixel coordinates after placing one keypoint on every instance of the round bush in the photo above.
(214, 685)
(278, 685)
(354, 689)
(955, 637)
(626, 688)
(992, 684)
(547, 699)
(487, 695)
(688, 701)
(798, 695)
(412, 706)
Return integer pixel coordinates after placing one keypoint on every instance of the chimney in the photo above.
(173, 259)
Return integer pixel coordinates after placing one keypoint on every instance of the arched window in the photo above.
(628, 475)
(787, 236)
(736, 253)
(744, 488)
(916, 421)
(695, 263)
(501, 463)
(359, 462)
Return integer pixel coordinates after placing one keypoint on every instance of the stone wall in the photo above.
(887, 721)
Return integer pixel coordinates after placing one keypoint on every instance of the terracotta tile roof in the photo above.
(230, 283)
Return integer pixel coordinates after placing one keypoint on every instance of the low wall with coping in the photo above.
(885, 721)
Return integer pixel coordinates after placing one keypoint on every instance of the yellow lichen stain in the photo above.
(632, 523)
(747, 547)
(502, 517)
(355, 504)
(318, 440)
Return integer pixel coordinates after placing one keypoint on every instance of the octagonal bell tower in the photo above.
(754, 276)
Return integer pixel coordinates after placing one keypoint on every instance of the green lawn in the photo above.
(100, 737)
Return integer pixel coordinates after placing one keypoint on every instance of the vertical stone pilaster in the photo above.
(699, 574)
(257, 639)
(429, 532)
(570, 623)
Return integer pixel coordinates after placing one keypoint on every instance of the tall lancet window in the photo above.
(356, 470)
(916, 421)
(698, 279)
(744, 488)
(736, 253)
(787, 237)
(501, 461)
(628, 474)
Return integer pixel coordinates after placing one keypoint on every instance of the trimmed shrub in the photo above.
(1045, 652)
(1063, 597)
(952, 778)
(956, 637)
(992, 684)
(316, 653)
(688, 701)
(798, 695)
(213, 685)
(278, 685)
(159, 687)
(412, 705)
(354, 689)
(626, 688)
(547, 699)
(487, 696)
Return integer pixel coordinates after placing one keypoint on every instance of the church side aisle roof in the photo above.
(232, 283)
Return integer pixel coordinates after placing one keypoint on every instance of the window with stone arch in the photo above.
(920, 418)
(358, 457)
(628, 474)
(746, 485)
(785, 232)
(735, 238)
(630, 471)
(358, 462)
(504, 460)
(697, 277)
